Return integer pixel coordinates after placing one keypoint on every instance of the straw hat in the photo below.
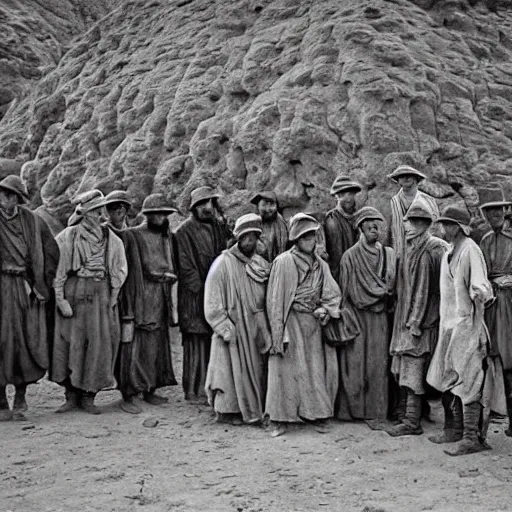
(343, 184)
(300, 224)
(251, 222)
(406, 170)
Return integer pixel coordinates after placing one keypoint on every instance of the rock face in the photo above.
(285, 94)
(35, 35)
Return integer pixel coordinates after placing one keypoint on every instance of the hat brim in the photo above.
(338, 190)
(419, 217)
(302, 233)
(248, 230)
(465, 227)
(359, 222)
(416, 174)
(258, 197)
(168, 210)
(495, 204)
(114, 201)
(202, 200)
(23, 197)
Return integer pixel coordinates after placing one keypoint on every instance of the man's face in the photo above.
(451, 230)
(96, 214)
(157, 219)
(205, 210)
(347, 200)
(407, 181)
(495, 216)
(307, 242)
(117, 212)
(8, 200)
(247, 243)
(371, 230)
(415, 227)
(267, 209)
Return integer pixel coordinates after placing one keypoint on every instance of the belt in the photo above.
(14, 271)
(97, 275)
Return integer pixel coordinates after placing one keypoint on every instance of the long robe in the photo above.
(148, 300)
(420, 311)
(302, 382)
(458, 361)
(340, 235)
(86, 344)
(273, 239)
(28, 261)
(497, 251)
(197, 246)
(235, 302)
(367, 276)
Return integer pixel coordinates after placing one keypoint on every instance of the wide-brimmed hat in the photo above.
(300, 224)
(418, 211)
(88, 201)
(492, 198)
(157, 203)
(344, 184)
(269, 195)
(406, 170)
(367, 213)
(250, 222)
(117, 196)
(458, 215)
(201, 194)
(13, 183)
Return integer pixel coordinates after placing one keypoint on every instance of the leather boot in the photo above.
(71, 402)
(470, 442)
(453, 427)
(20, 404)
(87, 403)
(5, 411)
(411, 424)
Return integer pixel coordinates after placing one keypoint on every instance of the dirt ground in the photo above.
(78, 462)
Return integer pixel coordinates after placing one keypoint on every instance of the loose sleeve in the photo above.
(117, 264)
(189, 275)
(420, 300)
(480, 288)
(65, 243)
(331, 294)
(332, 244)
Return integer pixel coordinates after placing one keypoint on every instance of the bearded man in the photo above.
(497, 250)
(302, 369)
(92, 269)
(274, 236)
(148, 307)
(235, 309)
(28, 261)
(416, 330)
(199, 240)
(340, 232)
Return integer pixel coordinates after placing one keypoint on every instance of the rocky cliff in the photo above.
(166, 95)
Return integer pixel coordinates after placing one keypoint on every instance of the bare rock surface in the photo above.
(167, 95)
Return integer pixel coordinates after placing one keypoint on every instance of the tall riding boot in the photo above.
(72, 398)
(5, 412)
(470, 442)
(20, 404)
(453, 427)
(508, 393)
(87, 403)
(411, 425)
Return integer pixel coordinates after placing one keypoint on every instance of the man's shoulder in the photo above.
(435, 243)
(186, 226)
(487, 238)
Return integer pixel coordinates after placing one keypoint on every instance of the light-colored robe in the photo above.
(235, 303)
(458, 361)
(302, 374)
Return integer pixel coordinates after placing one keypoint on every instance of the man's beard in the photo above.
(208, 220)
(269, 217)
(247, 252)
(163, 228)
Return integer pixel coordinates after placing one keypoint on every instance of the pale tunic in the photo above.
(458, 361)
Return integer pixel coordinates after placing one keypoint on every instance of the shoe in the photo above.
(20, 404)
(466, 447)
(508, 432)
(18, 416)
(70, 404)
(404, 430)
(277, 429)
(153, 399)
(323, 426)
(87, 404)
(446, 436)
(130, 407)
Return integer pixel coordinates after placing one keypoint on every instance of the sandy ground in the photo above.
(78, 462)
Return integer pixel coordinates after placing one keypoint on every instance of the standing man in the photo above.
(117, 205)
(340, 232)
(235, 309)
(460, 365)
(148, 307)
(92, 269)
(416, 331)
(367, 280)
(497, 250)
(274, 237)
(28, 261)
(199, 240)
(302, 296)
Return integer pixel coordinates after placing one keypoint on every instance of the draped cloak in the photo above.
(149, 300)
(86, 344)
(497, 251)
(367, 275)
(235, 302)
(273, 239)
(302, 375)
(28, 262)
(462, 348)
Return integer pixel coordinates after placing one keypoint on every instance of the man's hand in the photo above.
(228, 334)
(65, 308)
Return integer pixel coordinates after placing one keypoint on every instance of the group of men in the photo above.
(295, 322)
